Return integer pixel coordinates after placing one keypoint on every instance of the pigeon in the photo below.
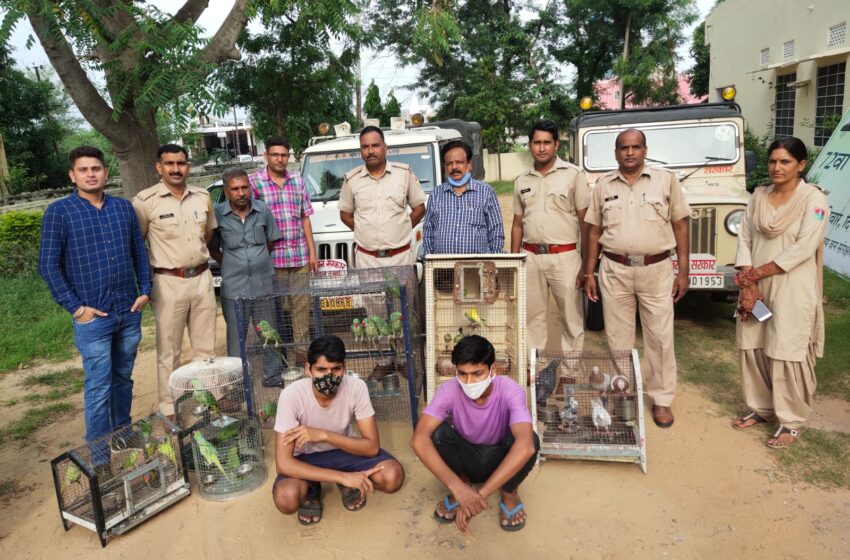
(619, 384)
(598, 380)
(268, 333)
(357, 330)
(570, 411)
(546, 381)
(475, 318)
(600, 416)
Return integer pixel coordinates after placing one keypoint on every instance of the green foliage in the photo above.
(20, 233)
(372, 107)
(699, 72)
(393, 107)
(819, 457)
(758, 145)
(832, 368)
(91, 137)
(34, 419)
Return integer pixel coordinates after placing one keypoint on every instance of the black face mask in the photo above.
(327, 384)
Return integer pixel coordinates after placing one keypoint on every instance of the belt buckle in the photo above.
(635, 260)
(190, 272)
(542, 249)
(383, 253)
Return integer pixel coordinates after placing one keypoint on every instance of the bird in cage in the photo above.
(357, 329)
(620, 384)
(209, 453)
(72, 474)
(474, 318)
(396, 323)
(459, 336)
(130, 460)
(546, 381)
(233, 460)
(204, 397)
(384, 328)
(569, 414)
(447, 338)
(599, 414)
(268, 409)
(598, 380)
(167, 450)
(268, 333)
(371, 331)
(145, 428)
(393, 285)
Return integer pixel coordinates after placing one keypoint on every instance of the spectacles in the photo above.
(277, 156)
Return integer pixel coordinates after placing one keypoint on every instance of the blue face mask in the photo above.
(462, 182)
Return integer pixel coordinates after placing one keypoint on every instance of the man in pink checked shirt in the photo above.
(284, 193)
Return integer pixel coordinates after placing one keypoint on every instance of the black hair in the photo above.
(84, 151)
(792, 145)
(473, 349)
(171, 149)
(233, 173)
(642, 135)
(277, 141)
(545, 126)
(330, 346)
(368, 129)
(456, 144)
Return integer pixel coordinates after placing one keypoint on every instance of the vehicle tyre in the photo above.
(593, 319)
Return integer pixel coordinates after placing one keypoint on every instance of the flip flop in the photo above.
(775, 439)
(311, 508)
(349, 497)
(509, 513)
(449, 508)
(736, 423)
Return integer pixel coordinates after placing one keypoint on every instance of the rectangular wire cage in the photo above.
(374, 311)
(589, 405)
(119, 480)
(475, 294)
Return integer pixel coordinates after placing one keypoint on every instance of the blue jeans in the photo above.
(108, 347)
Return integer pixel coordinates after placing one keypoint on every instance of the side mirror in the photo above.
(750, 162)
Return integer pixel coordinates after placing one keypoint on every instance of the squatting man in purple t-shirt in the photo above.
(314, 441)
(489, 440)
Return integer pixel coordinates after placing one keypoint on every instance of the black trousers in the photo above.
(477, 462)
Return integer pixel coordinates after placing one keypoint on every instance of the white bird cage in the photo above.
(205, 390)
(228, 457)
(589, 406)
(121, 479)
(457, 287)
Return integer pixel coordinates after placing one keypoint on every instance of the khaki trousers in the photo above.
(648, 290)
(555, 275)
(776, 389)
(296, 279)
(179, 303)
(376, 305)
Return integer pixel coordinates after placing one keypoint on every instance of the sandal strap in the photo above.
(511, 512)
(448, 505)
(751, 415)
(784, 430)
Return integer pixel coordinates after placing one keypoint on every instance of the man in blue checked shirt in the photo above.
(463, 215)
(94, 261)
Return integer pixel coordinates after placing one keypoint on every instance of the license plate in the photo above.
(336, 303)
(217, 281)
(701, 281)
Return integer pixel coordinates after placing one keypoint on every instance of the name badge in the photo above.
(523, 191)
(165, 216)
(610, 198)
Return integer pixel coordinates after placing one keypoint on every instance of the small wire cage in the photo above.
(374, 311)
(589, 405)
(206, 390)
(119, 480)
(228, 457)
(475, 294)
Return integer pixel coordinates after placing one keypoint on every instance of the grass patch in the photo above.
(832, 368)
(502, 187)
(61, 383)
(33, 326)
(9, 488)
(34, 419)
(819, 457)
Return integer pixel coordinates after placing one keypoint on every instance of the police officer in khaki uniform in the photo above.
(550, 201)
(638, 215)
(178, 221)
(374, 201)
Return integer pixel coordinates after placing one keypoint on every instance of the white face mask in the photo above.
(475, 390)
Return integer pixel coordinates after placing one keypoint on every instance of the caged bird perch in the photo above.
(117, 481)
(205, 390)
(475, 294)
(374, 311)
(589, 406)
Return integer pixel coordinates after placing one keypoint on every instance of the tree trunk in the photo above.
(137, 161)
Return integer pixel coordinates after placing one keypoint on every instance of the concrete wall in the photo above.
(738, 30)
(511, 165)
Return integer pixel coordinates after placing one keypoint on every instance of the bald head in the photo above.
(630, 151)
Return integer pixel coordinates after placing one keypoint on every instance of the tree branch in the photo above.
(223, 44)
(112, 26)
(191, 11)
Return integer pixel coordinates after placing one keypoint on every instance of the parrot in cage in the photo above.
(202, 396)
(150, 449)
(167, 450)
(459, 336)
(228, 432)
(233, 460)
(599, 414)
(268, 333)
(396, 324)
(145, 428)
(357, 330)
(130, 460)
(384, 328)
(393, 285)
(209, 453)
(371, 330)
(268, 409)
(475, 318)
(72, 474)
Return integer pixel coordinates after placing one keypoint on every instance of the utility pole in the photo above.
(5, 190)
(358, 84)
(236, 149)
(625, 59)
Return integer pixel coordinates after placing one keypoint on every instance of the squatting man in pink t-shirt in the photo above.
(315, 442)
(489, 439)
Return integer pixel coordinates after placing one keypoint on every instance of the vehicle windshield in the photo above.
(323, 173)
(685, 145)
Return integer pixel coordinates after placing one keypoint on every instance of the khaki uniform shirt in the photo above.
(380, 205)
(549, 204)
(794, 297)
(635, 219)
(175, 228)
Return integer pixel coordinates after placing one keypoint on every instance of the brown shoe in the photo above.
(663, 416)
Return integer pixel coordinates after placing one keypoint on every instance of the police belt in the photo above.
(637, 260)
(384, 253)
(190, 272)
(548, 249)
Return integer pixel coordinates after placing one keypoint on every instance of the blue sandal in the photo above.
(509, 513)
(449, 508)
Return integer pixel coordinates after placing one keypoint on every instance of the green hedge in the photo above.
(20, 236)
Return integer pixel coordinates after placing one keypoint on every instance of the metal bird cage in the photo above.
(228, 457)
(206, 390)
(475, 294)
(589, 406)
(117, 481)
(374, 311)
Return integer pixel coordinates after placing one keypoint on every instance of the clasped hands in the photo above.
(471, 503)
(749, 294)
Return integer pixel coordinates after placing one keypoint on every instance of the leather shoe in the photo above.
(663, 416)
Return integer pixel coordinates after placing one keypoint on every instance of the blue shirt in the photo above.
(465, 224)
(93, 257)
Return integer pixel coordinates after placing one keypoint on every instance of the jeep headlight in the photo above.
(733, 221)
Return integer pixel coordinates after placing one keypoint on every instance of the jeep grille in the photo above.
(703, 230)
(343, 251)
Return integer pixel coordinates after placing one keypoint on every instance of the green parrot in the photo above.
(202, 396)
(209, 453)
(72, 474)
(228, 432)
(357, 330)
(393, 285)
(233, 460)
(474, 317)
(150, 449)
(130, 460)
(145, 428)
(165, 448)
(459, 336)
(396, 324)
(268, 333)
(268, 409)
(371, 330)
(383, 327)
